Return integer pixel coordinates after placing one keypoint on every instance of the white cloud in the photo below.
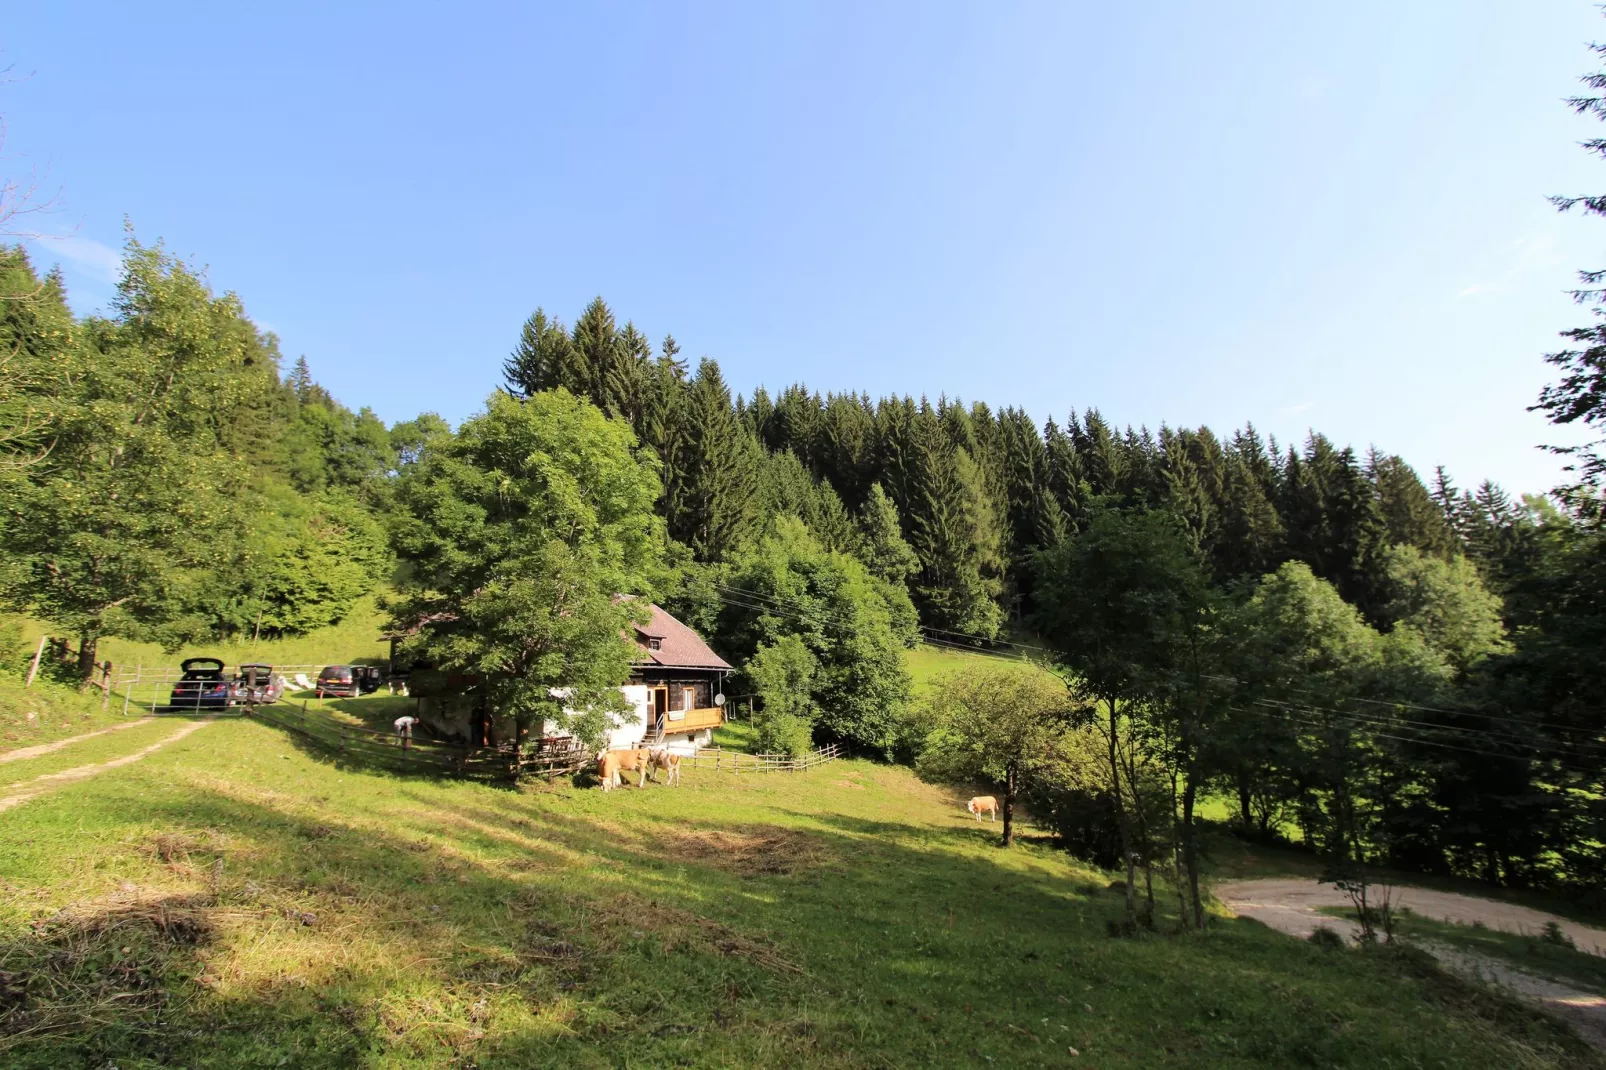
(99, 261)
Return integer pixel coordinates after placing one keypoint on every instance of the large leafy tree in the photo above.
(1000, 724)
(138, 504)
(520, 533)
(1121, 604)
(788, 584)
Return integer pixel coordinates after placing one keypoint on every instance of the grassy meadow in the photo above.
(233, 900)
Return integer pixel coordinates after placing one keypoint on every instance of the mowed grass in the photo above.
(235, 901)
(928, 661)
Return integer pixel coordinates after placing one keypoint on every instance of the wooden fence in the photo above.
(738, 762)
(404, 754)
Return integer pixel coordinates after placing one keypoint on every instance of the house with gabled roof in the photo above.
(676, 686)
(675, 693)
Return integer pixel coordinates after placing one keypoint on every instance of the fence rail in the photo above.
(404, 753)
(738, 762)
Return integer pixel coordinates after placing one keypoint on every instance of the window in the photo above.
(655, 644)
(690, 698)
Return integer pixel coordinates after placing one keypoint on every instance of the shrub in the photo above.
(1326, 938)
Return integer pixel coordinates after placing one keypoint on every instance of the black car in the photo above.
(202, 687)
(257, 685)
(337, 680)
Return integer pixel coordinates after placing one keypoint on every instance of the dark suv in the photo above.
(337, 680)
(202, 687)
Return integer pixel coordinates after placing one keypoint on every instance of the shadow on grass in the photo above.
(453, 927)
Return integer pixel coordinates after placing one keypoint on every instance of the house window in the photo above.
(690, 698)
(655, 644)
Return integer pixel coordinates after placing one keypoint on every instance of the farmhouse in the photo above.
(675, 686)
(675, 692)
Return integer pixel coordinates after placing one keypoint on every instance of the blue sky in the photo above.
(1297, 215)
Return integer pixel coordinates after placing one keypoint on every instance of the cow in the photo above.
(667, 760)
(983, 803)
(610, 764)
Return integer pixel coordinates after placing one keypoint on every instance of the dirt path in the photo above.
(49, 748)
(41, 784)
(1293, 906)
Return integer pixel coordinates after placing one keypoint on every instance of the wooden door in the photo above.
(655, 715)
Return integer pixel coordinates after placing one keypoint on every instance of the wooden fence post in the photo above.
(33, 670)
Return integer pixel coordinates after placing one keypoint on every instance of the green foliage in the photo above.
(519, 533)
(1446, 604)
(784, 674)
(1006, 726)
(119, 528)
(787, 584)
(1117, 602)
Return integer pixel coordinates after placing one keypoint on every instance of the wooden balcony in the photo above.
(693, 720)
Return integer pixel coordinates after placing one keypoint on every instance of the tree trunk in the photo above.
(1120, 818)
(87, 644)
(1190, 857)
(1244, 808)
(1009, 806)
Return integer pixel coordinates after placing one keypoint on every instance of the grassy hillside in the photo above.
(354, 639)
(57, 712)
(927, 661)
(234, 901)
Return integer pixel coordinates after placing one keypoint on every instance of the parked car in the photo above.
(258, 685)
(337, 680)
(369, 677)
(202, 686)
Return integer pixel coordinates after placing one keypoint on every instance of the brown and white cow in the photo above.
(611, 764)
(983, 804)
(667, 760)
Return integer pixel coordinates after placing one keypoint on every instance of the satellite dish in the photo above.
(719, 699)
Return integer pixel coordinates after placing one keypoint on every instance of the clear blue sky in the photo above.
(1296, 214)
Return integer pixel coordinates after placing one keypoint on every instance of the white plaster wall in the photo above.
(632, 729)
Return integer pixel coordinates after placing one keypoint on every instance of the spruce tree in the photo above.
(544, 359)
(712, 503)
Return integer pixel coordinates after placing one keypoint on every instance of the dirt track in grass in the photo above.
(50, 781)
(51, 748)
(1294, 907)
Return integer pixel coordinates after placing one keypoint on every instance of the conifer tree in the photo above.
(883, 548)
(1409, 511)
(712, 500)
(544, 359)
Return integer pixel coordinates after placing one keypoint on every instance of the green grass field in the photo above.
(235, 901)
(926, 662)
(356, 638)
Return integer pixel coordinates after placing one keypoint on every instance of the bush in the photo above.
(784, 733)
(1326, 938)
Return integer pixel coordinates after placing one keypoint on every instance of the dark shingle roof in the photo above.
(678, 648)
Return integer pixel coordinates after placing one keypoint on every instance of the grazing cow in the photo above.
(668, 761)
(614, 762)
(983, 803)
